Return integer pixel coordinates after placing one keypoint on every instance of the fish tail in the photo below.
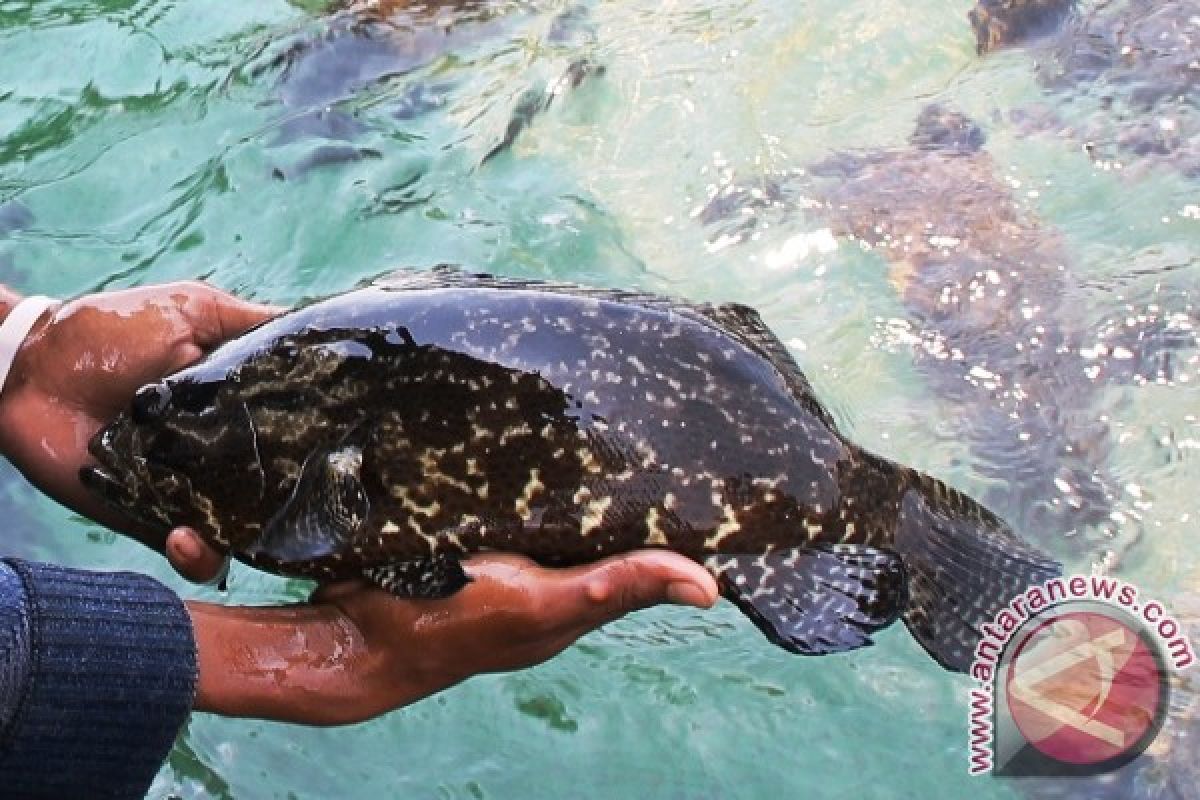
(963, 565)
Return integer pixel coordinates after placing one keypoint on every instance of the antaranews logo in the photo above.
(1072, 679)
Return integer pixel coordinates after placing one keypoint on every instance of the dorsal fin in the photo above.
(445, 276)
(744, 324)
(739, 321)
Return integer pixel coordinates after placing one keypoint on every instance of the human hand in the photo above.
(82, 363)
(356, 651)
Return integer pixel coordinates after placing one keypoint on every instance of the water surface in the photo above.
(263, 147)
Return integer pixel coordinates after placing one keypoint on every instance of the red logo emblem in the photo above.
(1086, 688)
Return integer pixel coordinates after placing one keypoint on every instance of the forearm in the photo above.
(305, 663)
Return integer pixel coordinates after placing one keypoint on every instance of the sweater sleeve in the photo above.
(97, 675)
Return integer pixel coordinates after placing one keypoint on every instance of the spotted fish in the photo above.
(389, 431)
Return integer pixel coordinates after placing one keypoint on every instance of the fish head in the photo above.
(1004, 23)
(184, 453)
(947, 131)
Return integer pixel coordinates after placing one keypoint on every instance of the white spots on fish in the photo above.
(588, 461)
(819, 461)
(598, 342)
(770, 483)
(655, 534)
(637, 364)
(430, 509)
(389, 528)
(767, 571)
(514, 432)
(648, 455)
(593, 515)
(813, 529)
(729, 526)
(416, 528)
(532, 487)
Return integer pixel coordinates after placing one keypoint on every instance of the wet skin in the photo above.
(354, 651)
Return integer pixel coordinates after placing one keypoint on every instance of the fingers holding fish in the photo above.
(193, 558)
(217, 316)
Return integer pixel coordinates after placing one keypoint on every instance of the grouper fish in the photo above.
(389, 431)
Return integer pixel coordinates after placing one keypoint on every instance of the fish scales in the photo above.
(391, 430)
(603, 427)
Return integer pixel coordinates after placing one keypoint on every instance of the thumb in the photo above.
(192, 558)
(222, 316)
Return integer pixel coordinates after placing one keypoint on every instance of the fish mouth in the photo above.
(117, 495)
(108, 477)
(99, 480)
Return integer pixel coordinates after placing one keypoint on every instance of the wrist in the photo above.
(22, 323)
(8, 301)
(305, 664)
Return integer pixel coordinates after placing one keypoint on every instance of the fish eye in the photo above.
(191, 395)
(150, 402)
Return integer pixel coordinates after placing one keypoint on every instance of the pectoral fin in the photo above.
(327, 508)
(437, 576)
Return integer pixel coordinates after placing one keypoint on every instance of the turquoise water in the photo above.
(155, 140)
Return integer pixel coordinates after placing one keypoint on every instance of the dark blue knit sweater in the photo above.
(97, 674)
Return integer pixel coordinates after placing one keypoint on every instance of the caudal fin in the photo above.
(963, 565)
